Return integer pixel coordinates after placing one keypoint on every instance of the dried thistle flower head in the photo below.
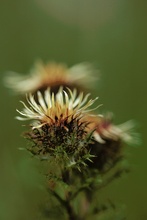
(59, 123)
(109, 139)
(52, 75)
(104, 129)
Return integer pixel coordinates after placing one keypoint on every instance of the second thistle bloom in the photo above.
(52, 75)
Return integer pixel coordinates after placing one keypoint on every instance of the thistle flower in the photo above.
(109, 139)
(58, 122)
(62, 122)
(52, 75)
(105, 129)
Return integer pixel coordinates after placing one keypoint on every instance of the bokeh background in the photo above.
(111, 34)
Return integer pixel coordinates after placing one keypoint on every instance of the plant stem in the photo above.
(70, 211)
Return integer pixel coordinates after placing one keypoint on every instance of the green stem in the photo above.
(66, 205)
(70, 211)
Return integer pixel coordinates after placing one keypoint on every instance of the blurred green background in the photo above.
(112, 35)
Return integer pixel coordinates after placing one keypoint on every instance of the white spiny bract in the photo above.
(50, 107)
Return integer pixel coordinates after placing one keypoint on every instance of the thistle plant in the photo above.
(82, 150)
